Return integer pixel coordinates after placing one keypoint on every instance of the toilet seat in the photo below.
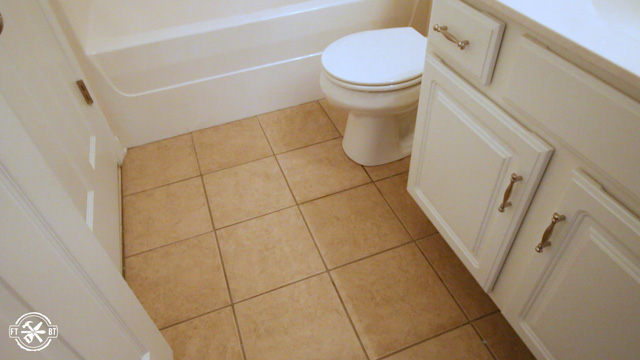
(374, 60)
(372, 88)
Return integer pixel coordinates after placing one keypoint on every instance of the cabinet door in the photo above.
(586, 301)
(465, 152)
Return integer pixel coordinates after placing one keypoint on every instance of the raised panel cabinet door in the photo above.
(586, 301)
(466, 152)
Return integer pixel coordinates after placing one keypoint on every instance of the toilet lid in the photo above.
(377, 57)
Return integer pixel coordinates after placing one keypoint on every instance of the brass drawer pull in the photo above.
(507, 193)
(443, 30)
(547, 233)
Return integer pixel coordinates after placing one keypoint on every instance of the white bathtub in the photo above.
(164, 67)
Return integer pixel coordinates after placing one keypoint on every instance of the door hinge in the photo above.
(85, 92)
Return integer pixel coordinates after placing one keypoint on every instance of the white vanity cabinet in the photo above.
(474, 170)
(562, 261)
(581, 295)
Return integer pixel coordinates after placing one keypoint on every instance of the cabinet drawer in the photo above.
(464, 23)
(464, 154)
(587, 115)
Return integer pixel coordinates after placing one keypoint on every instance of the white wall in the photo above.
(420, 20)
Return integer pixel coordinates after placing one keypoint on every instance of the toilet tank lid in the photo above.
(377, 57)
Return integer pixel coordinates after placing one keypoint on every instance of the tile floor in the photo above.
(261, 239)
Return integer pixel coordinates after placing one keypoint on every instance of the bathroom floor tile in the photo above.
(502, 339)
(337, 115)
(353, 224)
(297, 126)
(320, 170)
(246, 191)
(268, 252)
(209, 337)
(159, 163)
(395, 191)
(395, 299)
(304, 320)
(179, 281)
(459, 344)
(473, 300)
(386, 170)
(164, 215)
(230, 144)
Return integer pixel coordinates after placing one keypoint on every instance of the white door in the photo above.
(580, 297)
(39, 83)
(51, 262)
(473, 171)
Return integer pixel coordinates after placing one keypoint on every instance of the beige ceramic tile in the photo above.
(164, 215)
(179, 281)
(230, 144)
(353, 224)
(209, 337)
(474, 301)
(246, 191)
(304, 320)
(297, 126)
(268, 252)
(337, 115)
(395, 299)
(320, 170)
(460, 344)
(502, 339)
(159, 163)
(390, 169)
(395, 191)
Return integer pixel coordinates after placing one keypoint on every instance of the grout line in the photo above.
(193, 318)
(386, 356)
(441, 279)
(415, 241)
(307, 146)
(372, 255)
(279, 287)
(320, 253)
(224, 269)
(255, 217)
(392, 209)
(344, 307)
(484, 341)
(390, 176)
(334, 193)
(485, 316)
(236, 165)
(329, 117)
(169, 244)
(163, 185)
(353, 326)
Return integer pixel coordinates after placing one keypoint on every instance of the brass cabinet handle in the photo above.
(507, 193)
(547, 233)
(1, 23)
(443, 30)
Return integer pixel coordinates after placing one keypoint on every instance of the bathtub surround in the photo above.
(342, 269)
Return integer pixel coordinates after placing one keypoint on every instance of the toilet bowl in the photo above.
(376, 76)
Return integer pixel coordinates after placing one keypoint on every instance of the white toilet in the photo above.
(376, 76)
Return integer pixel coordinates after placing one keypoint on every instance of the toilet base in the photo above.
(375, 140)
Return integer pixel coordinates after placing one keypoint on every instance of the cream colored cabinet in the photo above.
(474, 170)
(583, 291)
